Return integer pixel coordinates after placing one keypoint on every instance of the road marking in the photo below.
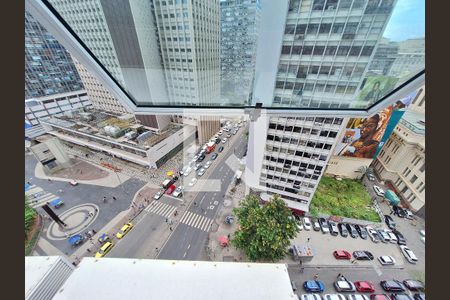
(161, 209)
(196, 220)
(189, 246)
(377, 269)
(184, 255)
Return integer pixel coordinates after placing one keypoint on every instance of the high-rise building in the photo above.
(239, 28)
(401, 162)
(49, 69)
(410, 58)
(99, 96)
(384, 58)
(318, 57)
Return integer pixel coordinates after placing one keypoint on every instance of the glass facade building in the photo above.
(49, 69)
(240, 22)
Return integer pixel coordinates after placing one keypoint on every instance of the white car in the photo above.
(343, 285)
(195, 158)
(201, 172)
(220, 132)
(386, 260)
(208, 164)
(178, 191)
(224, 140)
(193, 181)
(358, 297)
(187, 171)
(73, 182)
(300, 225)
(372, 234)
(422, 232)
(333, 297)
(379, 191)
(310, 297)
(307, 223)
(392, 237)
(409, 255)
(158, 195)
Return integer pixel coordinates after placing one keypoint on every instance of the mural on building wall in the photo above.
(361, 137)
(375, 87)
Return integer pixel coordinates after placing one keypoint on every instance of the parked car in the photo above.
(324, 225)
(104, 250)
(201, 157)
(344, 285)
(414, 285)
(401, 296)
(214, 156)
(379, 297)
(208, 164)
(158, 195)
(224, 140)
(392, 236)
(364, 286)
(220, 132)
(343, 229)
(357, 297)
(171, 189)
(228, 135)
(400, 238)
(197, 167)
(73, 182)
(313, 286)
(379, 191)
(316, 225)
(419, 296)
(384, 237)
(310, 297)
(217, 141)
(220, 149)
(392, 285)
(409, 255)
(201, 172)
(371, 177)
(351, 230)
(333, 228)
(361, 231)
(373, 234)
(409, 214)
(307, 223)
(333, 297)
(342, 254)
(389, 221)
(362, 255)
(178, 191)
(386, 260)
(124, 230)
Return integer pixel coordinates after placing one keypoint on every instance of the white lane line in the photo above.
(189, 246)
(191, 217)
(184, 255)
(184, 217)
(195, 220)
(202, 223)
(207, 225)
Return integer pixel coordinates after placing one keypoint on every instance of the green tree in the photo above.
(265, 231)
(30, 214)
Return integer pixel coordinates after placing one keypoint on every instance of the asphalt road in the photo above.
(186, 242)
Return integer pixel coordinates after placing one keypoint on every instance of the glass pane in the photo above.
(240, 53)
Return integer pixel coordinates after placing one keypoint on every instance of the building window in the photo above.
(413, 179)
(422, 168)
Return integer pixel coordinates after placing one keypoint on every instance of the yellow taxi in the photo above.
(104, 250)
(124, 230)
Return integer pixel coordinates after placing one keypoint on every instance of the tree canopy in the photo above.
(265, 231)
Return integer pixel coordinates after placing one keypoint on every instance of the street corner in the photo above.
(77, 219)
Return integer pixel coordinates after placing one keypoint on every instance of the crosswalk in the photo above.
(161, 209)
(38, 197)
(197, 221)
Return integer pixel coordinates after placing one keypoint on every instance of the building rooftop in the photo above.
(414, 121)
(118, 278)
(113, 127)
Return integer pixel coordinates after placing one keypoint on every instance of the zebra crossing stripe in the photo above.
(202, 224)
(207, 225)
(195, 220)
(189, 218)
(183, 218)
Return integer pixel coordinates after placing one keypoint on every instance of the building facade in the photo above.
(318, 57)
(54, 105)
(207, 126)
(49, 68)
(240, 22)
(99, 96)
(402, 160)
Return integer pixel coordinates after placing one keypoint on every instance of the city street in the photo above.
(188, 242)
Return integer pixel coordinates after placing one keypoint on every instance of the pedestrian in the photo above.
(96, 210)
(167, 220)
(104, 199)
(93, 230)
(29, 183)
(316, 276)
(229, 235)
(157, 249)
(339, 275)
(88, 250)
(308, 240)
(170, 228)
(195, 203)
(114, 198)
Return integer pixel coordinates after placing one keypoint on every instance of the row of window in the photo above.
(328, 50)
(303, 130)
(348, 70)
(295, 183)
(289, 190)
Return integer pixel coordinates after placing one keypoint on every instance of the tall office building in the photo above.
(189, 35)
(315, 54)
(99, 96)
(240, 20)
(49, 69)
(384, 58)
(410, 58)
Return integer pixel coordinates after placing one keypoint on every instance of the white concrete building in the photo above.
(50, 153)
(207, 126)
(401, 162)
(54, 105)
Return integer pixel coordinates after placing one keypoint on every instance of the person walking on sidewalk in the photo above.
(104, 199)
(316, 276)
(114, 198)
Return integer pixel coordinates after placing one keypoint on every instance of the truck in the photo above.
(210, 147)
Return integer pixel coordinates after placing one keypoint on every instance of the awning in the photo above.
(392, 197)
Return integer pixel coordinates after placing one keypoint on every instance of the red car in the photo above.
(364, 286)
(171, 189)
(379, 297)
(342, 254)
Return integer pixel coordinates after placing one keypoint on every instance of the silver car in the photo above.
(311, 297)
(201, 172)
